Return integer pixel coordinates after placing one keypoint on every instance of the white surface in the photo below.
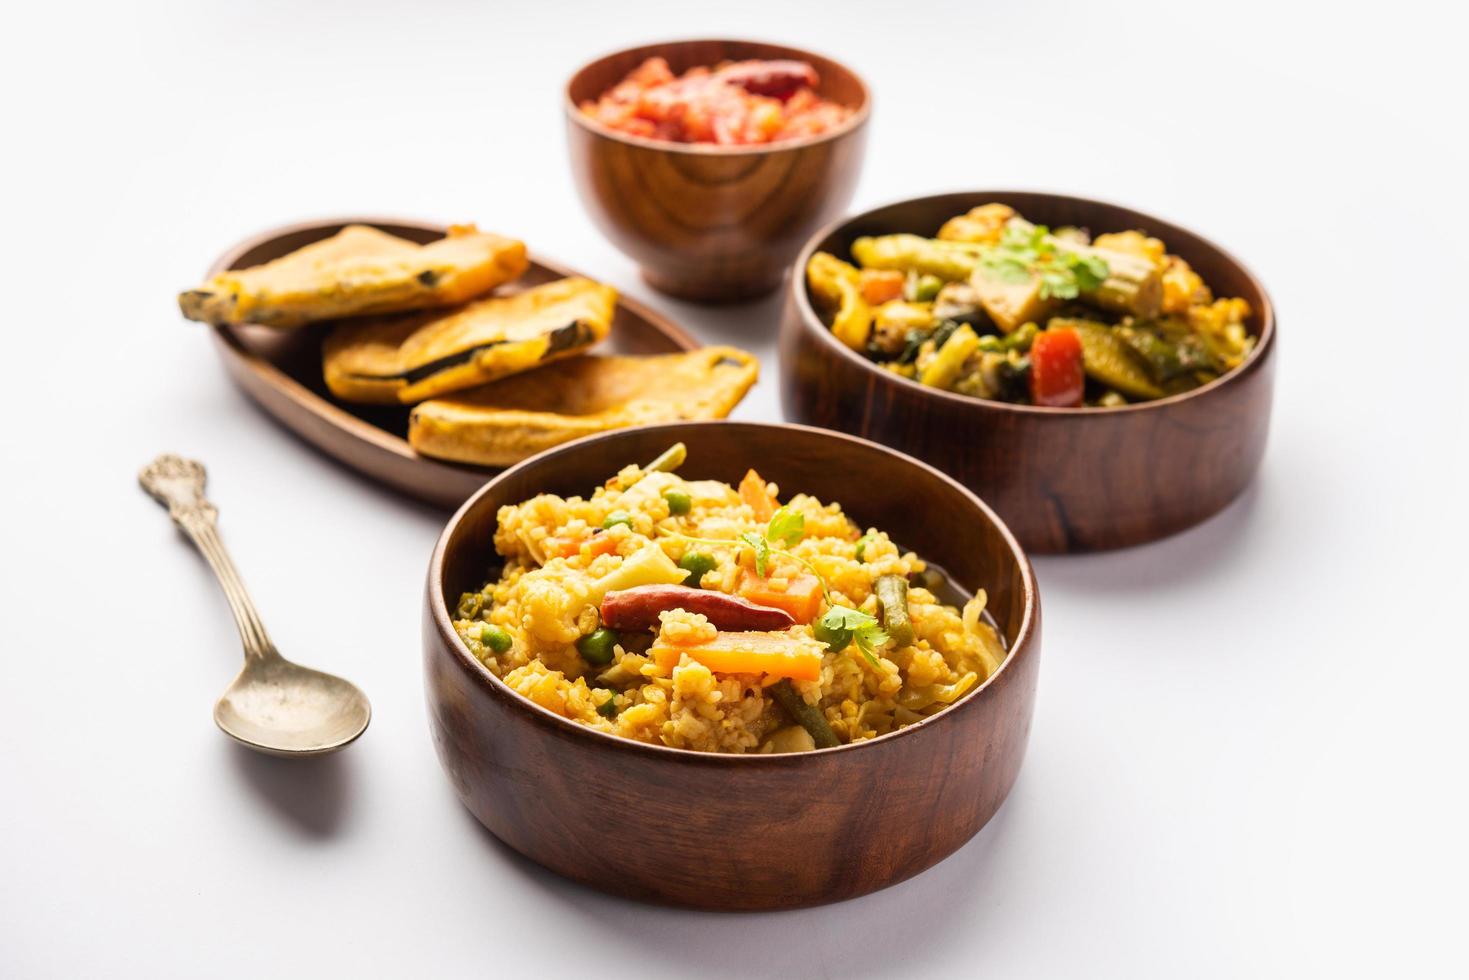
(1248, 752)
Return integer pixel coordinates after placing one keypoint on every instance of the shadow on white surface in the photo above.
(748, 325)
(941, 901)
(1185, 560)
(308, 796)
(309, 452)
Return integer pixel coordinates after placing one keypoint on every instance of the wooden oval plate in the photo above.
(281, 370)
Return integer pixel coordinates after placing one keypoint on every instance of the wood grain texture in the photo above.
(281, 370)
(713, 223)
(1063, 479)
(654, 823)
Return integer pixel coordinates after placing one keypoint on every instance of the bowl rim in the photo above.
(810, 320)
(439, 609)
(855, 121)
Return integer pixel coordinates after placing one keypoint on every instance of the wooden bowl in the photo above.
(738, 831)
(281, 370)
(1064, 479)
(713, 223)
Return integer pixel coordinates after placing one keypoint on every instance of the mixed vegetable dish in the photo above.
(999, 308)
(700, 615)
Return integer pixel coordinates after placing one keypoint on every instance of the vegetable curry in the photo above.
(999, 308)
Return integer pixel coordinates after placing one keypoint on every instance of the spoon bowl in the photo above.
(281, 708)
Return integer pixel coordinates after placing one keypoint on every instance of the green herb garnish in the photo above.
(1028, 250)
(762, 550)
(840, 626)
(786, 526)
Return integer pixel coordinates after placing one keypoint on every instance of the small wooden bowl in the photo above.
(713, 223)
(1064, 479)
(737, 831)
(281, 370)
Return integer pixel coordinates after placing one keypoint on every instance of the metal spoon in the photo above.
(274, 706)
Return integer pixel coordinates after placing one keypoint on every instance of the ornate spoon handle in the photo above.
(178, 484)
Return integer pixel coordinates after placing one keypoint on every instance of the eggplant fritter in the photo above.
(503, 423)
(406, 359)
(359, 270)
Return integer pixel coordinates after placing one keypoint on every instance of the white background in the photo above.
(1248, 753)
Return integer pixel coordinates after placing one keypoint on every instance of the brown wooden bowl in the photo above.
(281, 370)
(655, 823)
(713, 223)
(1064, 479)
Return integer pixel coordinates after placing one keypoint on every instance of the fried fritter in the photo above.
(359, 270)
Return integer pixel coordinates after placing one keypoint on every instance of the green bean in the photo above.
(678, 502)
(862, 547)
(617, 517)
(495, 638)
(808, 716)
(892, 597)
(949, 261)
(697, 564)
(596, 647)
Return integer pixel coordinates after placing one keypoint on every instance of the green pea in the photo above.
(608, 708)
(596, 647)
(696, 563)
(617, 517)
(836, 638)
(495, 638)
(862, 546)
(678, 502)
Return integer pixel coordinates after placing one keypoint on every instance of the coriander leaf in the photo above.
(844, 617)
(842, 625)
(787, 526)
(1029, 252)
(1058, 283)
(762, 550)
(869, 638)
(1092, 271)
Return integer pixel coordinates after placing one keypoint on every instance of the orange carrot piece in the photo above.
(773, 654)
(558, 547)
(880, 285)
(754, 492)
(800, 596)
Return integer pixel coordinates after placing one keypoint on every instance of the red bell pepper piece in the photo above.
(1056, 375)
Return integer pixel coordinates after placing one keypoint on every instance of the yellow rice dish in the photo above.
(699, 615)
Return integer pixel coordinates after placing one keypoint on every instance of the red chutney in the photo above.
(733, 104)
